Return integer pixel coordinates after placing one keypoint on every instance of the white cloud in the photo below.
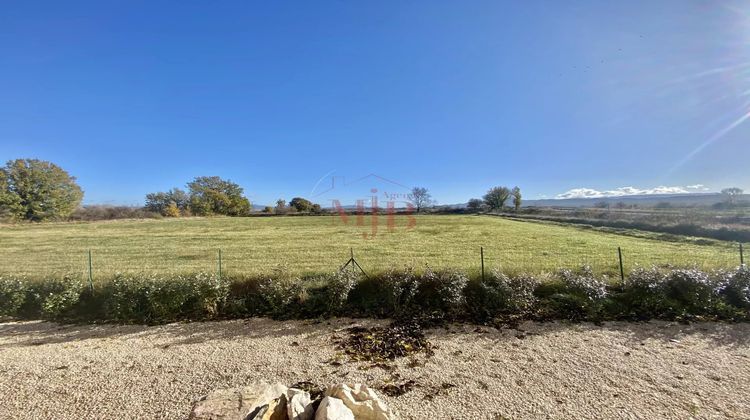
(625, 191)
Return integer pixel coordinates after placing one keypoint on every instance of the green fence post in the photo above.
(219, 264)
(622, 269)
(481, 255)
(91, 273)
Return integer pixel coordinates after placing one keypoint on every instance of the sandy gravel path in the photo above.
(618, 370)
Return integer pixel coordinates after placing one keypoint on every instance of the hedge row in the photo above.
(574, 295)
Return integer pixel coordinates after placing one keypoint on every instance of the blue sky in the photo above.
(457, 96)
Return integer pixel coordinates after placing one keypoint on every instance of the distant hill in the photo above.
(645, 200)
(648, 200)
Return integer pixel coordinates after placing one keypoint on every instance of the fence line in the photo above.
(508, 260)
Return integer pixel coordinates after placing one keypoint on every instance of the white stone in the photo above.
(361, 400)
(331, 408)
(299, 405)
(238, 403)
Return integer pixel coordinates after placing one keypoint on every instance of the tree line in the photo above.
(495, 200)
(37, 190)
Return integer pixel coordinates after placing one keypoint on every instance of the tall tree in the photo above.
(211, 195)
(280, 206)
(10, 203)
(732, 194)
(159, 202)
(420, 197)
(496, 197)
(38, 190)
(516, 193)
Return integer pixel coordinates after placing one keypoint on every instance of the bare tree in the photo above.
(732, 194)
(474, 205)
(420, 197)
(281, 207)
(516, 193)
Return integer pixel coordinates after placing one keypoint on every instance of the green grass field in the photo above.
(305, 245)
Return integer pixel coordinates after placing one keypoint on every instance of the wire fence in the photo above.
(103, 262)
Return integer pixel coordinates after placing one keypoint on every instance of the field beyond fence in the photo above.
(313, 245)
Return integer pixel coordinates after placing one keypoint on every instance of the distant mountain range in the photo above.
(646, 200)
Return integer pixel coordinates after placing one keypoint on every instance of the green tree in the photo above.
(210, 195)
(37, 190)
(301, 204)
(10, 203)
(496, 197)
(159, 202)
(516, 193)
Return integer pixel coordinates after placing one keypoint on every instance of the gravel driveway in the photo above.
(555, 370)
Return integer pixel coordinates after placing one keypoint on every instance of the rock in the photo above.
(241, 403)
(299, 405)
(361, 400)
(331, 408)
(275, 410)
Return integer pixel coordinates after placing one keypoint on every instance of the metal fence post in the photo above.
(481, 254)
(742, 255)
(91, 273)
(219, 264)
(622, 269)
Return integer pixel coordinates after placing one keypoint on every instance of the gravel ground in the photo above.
(555, 370)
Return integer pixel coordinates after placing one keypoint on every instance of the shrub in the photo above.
(132, 298)
(686, 293)
(575, 295)
(52, 299)
(499, 294)
(282, 295)
(385, 294)
(735, 287)
(441, 291)
(12, 295)
(338, 287)
(583, 282)
(639, 295)
(62, 299)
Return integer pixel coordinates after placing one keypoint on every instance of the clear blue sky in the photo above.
(139, 96)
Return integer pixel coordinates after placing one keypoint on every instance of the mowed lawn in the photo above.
(304, 245)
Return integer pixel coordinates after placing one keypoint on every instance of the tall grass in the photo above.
(307, 246)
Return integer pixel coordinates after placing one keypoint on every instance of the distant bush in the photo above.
(100, 212)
